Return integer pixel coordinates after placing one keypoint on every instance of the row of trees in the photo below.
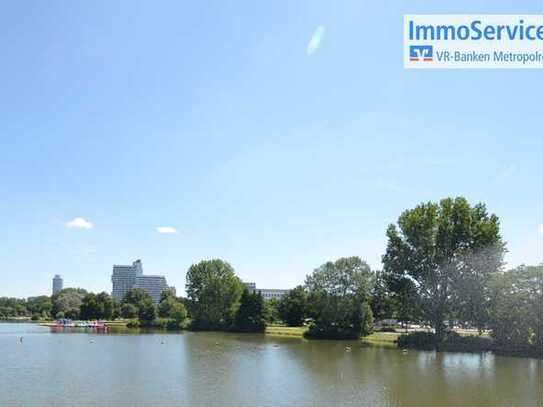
(443, 267)
(66, 303)
(336, 297)
(169, 313)
(36, 307)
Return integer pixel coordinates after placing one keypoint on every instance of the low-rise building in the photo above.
(267, 293)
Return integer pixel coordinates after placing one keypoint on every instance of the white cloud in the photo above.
(315, 41)
(79, 223)
(540, 228)
(166, 229)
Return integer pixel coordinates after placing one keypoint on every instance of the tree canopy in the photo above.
(443, 249)
(68, 302)
(251, 315)
(99, 306)
(214, 291)
(339, 294)
(292, 307)
(516, 309)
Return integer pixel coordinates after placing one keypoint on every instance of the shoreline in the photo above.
(381, 339)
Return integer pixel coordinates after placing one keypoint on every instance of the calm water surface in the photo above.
(212, 369)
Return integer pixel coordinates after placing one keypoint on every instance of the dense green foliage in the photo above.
(147, 312)
(517, 310)
(97, 306)
(251, 314)
(35, 307)
(67, 303)
(292, 307)
(135, 296)
(129, 311)
(167, 303)
(339, 294)
(214, 291)
(443, 255)
(170, 313)
(173, 310)
(272, 311)
(382, 302)
(451, 341)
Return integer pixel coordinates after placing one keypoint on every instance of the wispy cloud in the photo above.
(506, 174)
(79, 223)
(166, 229)
(540, 228)
(316, 40)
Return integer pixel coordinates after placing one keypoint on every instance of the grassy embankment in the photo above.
(377, 338)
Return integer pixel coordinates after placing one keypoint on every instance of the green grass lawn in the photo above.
(291, 331)
(380, 338)
(117, 323)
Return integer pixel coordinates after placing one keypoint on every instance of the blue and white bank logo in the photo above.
(421, 53)
(473, 41)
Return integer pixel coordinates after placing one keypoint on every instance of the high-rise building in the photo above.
(154, 285)
(124, 278)
(58, 284)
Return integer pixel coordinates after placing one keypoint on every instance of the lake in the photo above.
(217, 369)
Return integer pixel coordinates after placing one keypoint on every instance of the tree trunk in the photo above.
(440, 333)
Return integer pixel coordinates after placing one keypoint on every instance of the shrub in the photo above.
(159, 323)
(451, 342)
(134, 323)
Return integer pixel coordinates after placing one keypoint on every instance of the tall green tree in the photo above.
(293, 307)
(90, 309)
(403, 297)
(166, 304)
(442, 247)
(178, 312)
(272, 312)
(214, 291)
(106, 306)
(382, 305)
(128, 311)
(135, 296)
(251, 314)
(147, 312)
(40, 306)
(140, 301)
(68, 301)
(339, 294)
(516, 311)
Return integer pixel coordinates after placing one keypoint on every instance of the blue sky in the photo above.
(258, 143)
